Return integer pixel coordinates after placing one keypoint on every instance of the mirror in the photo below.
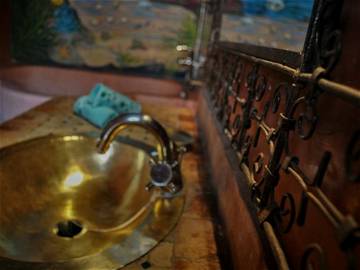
(278, 24)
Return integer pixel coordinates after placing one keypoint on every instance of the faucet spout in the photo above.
(134, 119)
(165, 171)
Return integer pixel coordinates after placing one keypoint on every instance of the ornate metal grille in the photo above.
(270, 113)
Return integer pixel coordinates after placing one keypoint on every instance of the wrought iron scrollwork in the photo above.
(323, 44)
(307, 118)
(287, 210)
(276, 98)
(240, 88)
(246, 106)
(311, 251)
(260, 87)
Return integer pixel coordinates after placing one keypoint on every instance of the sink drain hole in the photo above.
(68, 228)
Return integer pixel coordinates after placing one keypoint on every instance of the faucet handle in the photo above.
(161, 174)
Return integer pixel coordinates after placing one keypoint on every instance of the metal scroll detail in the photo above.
(253, 109)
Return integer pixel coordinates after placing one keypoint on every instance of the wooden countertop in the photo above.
(192, 245)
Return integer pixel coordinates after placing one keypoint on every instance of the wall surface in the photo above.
(72, 82)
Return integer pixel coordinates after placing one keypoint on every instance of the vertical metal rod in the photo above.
(275, 247)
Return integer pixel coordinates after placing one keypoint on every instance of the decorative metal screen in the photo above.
(296, 134)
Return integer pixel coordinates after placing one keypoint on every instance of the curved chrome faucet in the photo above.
(165, 171)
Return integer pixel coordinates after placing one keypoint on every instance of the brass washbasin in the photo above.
(65, 206)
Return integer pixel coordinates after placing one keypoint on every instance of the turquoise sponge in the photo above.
(103, 104)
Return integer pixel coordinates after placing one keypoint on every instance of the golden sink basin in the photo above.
(65, 206)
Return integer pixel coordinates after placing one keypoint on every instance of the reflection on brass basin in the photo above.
(64, 206)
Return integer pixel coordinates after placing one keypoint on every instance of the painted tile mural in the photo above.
(102, 33)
